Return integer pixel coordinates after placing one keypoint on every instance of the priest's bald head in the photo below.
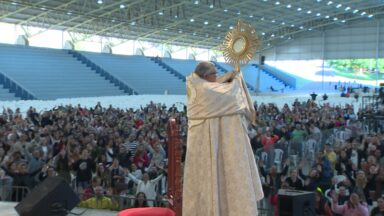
(206, 70)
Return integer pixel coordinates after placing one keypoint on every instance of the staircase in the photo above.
(168, 68)
(99, 70)
(12, 90)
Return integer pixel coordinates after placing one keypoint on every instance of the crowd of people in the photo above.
(347, 174)
(105, 152)
(98, 150)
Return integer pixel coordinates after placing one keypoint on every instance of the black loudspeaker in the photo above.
(52, 197)
(296, 203)
(262, 60)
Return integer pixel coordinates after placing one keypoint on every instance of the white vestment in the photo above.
(220, 174)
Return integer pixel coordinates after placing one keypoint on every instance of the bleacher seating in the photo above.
(184, 67)
(141, 73)
(51, 73)
(266, 81)
(5, 95)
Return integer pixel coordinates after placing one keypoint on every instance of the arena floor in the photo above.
(7, 209)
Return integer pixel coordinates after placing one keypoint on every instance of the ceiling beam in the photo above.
(104, 14)
(195, 16)
(140, 17)
(202, 29)
(45, 12)
(25, 6)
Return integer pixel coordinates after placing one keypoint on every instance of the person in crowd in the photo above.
(99, 201)
(146, 185)
(21, 179)
(313, 96)
(84, 168)
(6, 186)
(140, 200)
(293, 181)
(322, 207)
(379, 209)
(353, 207)
(47, 171)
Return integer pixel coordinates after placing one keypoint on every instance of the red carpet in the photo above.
(147, 212)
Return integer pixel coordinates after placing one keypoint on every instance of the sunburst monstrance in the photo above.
(240, 45)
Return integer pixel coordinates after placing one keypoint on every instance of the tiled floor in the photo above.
(7, 209)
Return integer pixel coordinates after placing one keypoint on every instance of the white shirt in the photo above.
(148, 188)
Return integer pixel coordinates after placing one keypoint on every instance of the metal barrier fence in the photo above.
(12, 193)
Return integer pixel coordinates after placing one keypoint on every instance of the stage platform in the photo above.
(8, 209)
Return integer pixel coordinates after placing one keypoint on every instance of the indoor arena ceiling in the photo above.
(196, 23)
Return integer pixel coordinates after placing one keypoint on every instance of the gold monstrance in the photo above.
(240, 45)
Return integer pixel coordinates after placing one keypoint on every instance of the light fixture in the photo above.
(161, 13)
(301, 27)
(194, 33)
(318, 0)
(343, 21)
(330, 2)
(339, 6)
(43, 8)
(309, 12)
(251, 16)
(206, 22)
(282, 36)
(318, 14)
(273, 21)
(69, 13)
(133, 23)
(277, 3)
(370, 15)
(211, 6)
(219, 25)
(269, 44)
(347, 8)
(196, 2)
(14, 3)
(238, 13)
(299, 9)
(289, 6)
(282, 23)
(292, 25)
(99, 2)
(272, 35)
(180, 31)
(262, 18)
(113, 20)
(176, 16)
(122, 6)
(165, 29)
(192, 20)
(363, 13)
(262, 33)
(327, 17)
(225, 10)
(355, 11)
(230, 27)
(289, 38)
(310, 29)
(335, 19)
(218, 37)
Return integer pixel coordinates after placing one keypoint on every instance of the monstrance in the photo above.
(240, 45)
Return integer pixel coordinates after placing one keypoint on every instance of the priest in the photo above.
(220, 174)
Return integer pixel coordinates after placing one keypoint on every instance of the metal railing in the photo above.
(11, 193)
